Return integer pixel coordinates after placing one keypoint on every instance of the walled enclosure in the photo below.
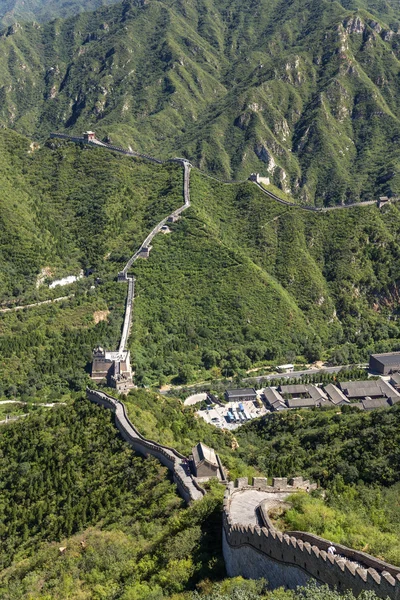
(290, 559)
(188, 487)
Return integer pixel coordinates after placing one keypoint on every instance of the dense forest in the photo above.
(241, 281)
(67, 473)
(83, 517)
(250, 281)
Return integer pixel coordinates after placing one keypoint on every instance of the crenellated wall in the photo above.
(291, 559)
(187, 486)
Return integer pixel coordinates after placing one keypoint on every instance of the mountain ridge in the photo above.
(307, 94)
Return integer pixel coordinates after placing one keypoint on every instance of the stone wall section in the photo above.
(187, 486)
(290, 559)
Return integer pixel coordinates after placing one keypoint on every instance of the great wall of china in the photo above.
(252, 547)
(187, 485)
(91, 140)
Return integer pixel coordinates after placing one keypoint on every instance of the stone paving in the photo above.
(244, 504)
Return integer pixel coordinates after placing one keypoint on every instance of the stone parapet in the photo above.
(290, 559)
(187, 486)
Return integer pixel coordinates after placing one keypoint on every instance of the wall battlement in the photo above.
(291, 559)
(188, 487)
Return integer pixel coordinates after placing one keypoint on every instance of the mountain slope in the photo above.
(12, 11)
(64, 208)
(305, 92)
(247, 279)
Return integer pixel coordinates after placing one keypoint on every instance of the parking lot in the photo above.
(218, 415)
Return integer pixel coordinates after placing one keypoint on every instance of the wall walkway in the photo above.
(253, 548)
(227, 182)
(187, 486)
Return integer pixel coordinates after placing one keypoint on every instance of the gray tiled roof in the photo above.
(241, 392)
(335, 394)
(371, 403)
(201, 453)
(389, 359)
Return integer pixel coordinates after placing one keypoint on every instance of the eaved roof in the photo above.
(360, 389)
(201, 453)
(300, 402)
(373, 388)
(242, 392)
(316, 393)
(395, 377)
(335, 394)
(272, 396)
(387, 389)
(371, 403)
(299, 388)
(389, 359)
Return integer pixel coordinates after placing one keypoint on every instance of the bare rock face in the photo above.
(354, 25)
(263, 154)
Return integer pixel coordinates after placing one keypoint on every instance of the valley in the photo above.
(199, 196)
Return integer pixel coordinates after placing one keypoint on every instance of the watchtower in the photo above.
(89, 136)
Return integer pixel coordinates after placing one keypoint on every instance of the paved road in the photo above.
(14, 308)
(297, 374)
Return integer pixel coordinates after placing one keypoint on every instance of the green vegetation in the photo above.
(324, 444)
(353, 455)
(167, 421)
(250, 281)
(83, 517)
(12, 11)
(67, 208)
(67, 471)
(364, 518)
(307, 94)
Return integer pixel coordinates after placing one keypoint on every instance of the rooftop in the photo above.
(371, 403)
(272, 395)
(300, 402)
(388, 358)
(316, 393)
(395, 378)
(359, 389)
(373, 388)
(293, 389)
(202, 452)
(241, 392)
(335, 394)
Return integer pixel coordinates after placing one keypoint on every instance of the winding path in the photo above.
(123, 275)
(100, 144)
(22, 307)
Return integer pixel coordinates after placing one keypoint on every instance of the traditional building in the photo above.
(89, 136)
(205, 462)
(384, 364)
(336, 395)
(113, 368)
(241, 394)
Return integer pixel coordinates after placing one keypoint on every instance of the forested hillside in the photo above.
(240, 280)
(67, 473)
(249, 280)
(12, 11)
(355, 457)
(305, 92)
(66, 208)
(84, 517)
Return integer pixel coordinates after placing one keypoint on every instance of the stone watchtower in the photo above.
(89, 136)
